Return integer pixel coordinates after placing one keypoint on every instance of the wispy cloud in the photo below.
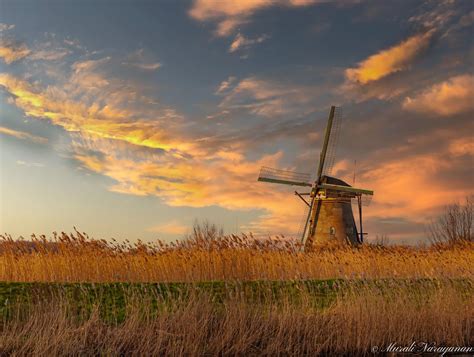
(6, 27)
(229, 15)
(241, 42)
(90, 103)
(29, 164)
(138, 59)
(12, 51)
(48, 49)
(452, 96)
(148, 66)
(267, 98)
(226, 85)
(23, 135)
(391, 60)
(49, 55)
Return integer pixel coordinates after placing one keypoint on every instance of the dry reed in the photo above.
(77, 258)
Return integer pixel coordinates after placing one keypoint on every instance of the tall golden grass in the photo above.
(77, 258)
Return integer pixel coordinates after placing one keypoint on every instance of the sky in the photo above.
(135, 119)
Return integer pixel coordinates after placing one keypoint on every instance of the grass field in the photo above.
(229, 296)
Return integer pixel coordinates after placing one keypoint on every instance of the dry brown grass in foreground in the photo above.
(197, 326)
(78, 258)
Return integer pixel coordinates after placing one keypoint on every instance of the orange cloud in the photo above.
(226, 179)
(231, 14)
(108, 120)
(22, 135)
(389, 61)
(416, 187)
(462, 146)
(447, 98)
(185, 173)
(11, 51)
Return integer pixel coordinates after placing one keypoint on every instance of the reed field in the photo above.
(77, 258)
(229, 295)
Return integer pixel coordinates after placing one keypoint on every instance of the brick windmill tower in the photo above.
(330, 216)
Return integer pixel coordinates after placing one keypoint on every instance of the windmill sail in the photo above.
(333, 142)
(327, 135)
(284, 177)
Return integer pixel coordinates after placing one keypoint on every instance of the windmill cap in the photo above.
(334, 181)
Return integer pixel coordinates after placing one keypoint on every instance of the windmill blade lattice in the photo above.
(285, 177)
(333, 142)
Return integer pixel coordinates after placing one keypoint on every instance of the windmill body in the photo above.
(330, 217)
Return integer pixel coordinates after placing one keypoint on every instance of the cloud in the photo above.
(29, 164)
(413, 186)
(435, 15)
(225, 85)
(462, 146)
(231, 14)
(267, 98)
(225, 178)
(391, 60)
(11, 51)
(92, 104)
(450, 97)
(174, 228)
(6, 27)
(148, 66)
(240, 42)
(139, 60)
(145, 149)
(49, 55)
(23, 135)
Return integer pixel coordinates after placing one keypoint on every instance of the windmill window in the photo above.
(332, 231)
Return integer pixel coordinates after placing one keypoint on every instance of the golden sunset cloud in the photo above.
(11, 51)
(231, 14)
(453, 96)
(391, 60)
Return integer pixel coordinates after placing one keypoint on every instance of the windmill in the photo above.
(330, 216)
